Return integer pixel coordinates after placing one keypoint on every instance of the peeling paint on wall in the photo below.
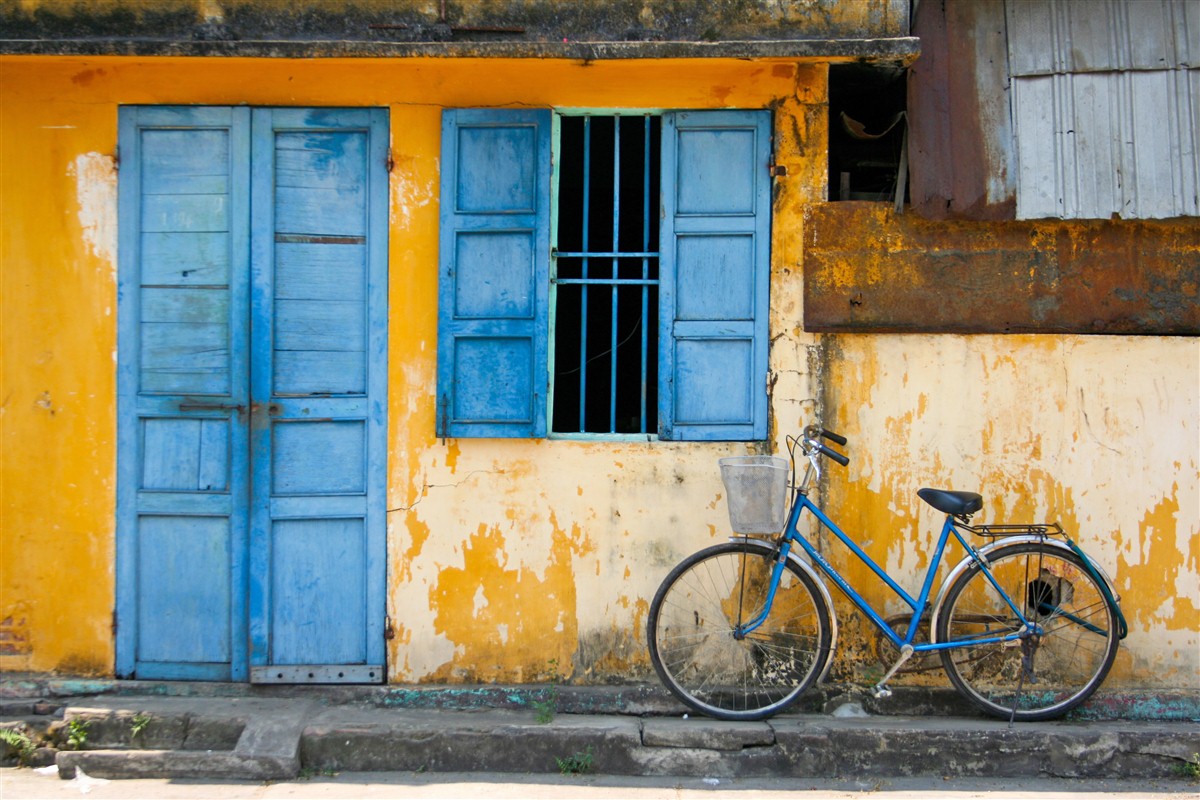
(504, 555)
(95, 177)
(1095, 433)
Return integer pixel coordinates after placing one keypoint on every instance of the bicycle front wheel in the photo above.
(699, 647)
(1044, 675)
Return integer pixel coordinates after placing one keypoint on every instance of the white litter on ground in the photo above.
(850, 710)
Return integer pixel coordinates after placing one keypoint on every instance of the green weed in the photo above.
(138, 724)
(20, 743)
(1189, 769)
(576, 764)
(77, 733)
(543, 709)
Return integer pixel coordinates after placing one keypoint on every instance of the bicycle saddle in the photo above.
(956, 503)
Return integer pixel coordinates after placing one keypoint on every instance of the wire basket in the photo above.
(756, 487)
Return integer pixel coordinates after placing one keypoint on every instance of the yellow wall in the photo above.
(505, 556)
(1098, 433)
(529, 536)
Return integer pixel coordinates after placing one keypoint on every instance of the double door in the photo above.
(251, 394)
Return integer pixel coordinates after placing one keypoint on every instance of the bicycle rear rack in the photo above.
(997, 531)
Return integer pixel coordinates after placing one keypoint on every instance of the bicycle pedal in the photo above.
(881, 692)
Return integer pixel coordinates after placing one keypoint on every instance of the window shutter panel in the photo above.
(493, 285)
(715, 275)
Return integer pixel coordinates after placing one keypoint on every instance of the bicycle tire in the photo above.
(691, 633)
(1043, 676)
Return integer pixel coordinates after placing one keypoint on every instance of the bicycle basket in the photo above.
(756, 487)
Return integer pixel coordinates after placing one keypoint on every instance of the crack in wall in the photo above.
(425, 487)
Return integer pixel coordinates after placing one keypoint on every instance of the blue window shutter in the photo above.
(715, 275)
(493, 280)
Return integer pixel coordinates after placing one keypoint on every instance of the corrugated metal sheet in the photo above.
(1057, 36)
(1106, 107)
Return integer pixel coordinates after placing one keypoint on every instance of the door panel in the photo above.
(318, 616)
(182, 371)
(251, 394)
(185, 619)
(317, 567)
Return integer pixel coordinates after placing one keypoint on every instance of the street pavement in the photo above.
(26, 784)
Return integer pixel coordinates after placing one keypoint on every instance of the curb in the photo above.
(267, 747)
(140, 729)
(280, 739)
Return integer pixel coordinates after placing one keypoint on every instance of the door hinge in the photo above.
(443, 419)
(116, 159)
(390, 163)
(389, 632)
(114, 623)
(776, 170)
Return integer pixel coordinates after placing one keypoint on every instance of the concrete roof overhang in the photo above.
(900, 51)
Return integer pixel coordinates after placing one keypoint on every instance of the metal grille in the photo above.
(606, 275)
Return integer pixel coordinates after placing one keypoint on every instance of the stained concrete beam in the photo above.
(898, 51)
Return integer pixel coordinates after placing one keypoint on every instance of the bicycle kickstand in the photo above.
(880, 690)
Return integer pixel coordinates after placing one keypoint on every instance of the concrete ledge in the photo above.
(639, 699)
(487, 741)
(256, 733)
(268, 747)
(802, 746)
(281, 736)
(709, 734)
(901, 51)
(967, 748)
(113, 764)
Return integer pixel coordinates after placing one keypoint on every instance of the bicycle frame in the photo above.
(906, 644)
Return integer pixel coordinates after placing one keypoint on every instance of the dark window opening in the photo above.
(606, 280)
(867, 124)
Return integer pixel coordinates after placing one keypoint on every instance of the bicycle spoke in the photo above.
(699, 644)
(1047, 672)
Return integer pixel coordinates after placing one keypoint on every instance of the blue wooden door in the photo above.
(317, 364)
(251, 394)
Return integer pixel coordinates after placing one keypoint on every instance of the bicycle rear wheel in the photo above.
(700, 656)
(1043, 676)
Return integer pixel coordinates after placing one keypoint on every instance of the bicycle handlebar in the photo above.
(813, 432)
(836, 456)
(836, 438)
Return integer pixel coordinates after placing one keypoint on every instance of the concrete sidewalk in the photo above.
(195, 730)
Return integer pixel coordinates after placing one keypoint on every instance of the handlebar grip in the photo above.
(836, 438)
(836, 456)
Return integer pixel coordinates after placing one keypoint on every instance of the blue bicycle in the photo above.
(1026, 626)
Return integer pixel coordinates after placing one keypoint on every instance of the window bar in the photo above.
(583, 288)
(616, 241)
(645, 263)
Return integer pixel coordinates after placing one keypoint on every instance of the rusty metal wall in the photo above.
(1077, 109)
(961, 160)
(869, 269)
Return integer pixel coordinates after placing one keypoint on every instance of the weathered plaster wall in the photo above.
(1098, 433)
(502, 555)
(511, 559)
